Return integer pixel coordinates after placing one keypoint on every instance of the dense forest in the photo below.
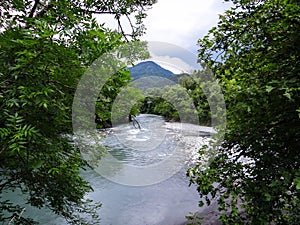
(159, 100)
(46, 47)
(164, 93)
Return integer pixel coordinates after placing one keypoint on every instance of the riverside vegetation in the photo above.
(257, 168)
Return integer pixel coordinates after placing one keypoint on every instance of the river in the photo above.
(133, 194)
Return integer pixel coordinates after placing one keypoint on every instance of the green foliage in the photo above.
(172, 102)
(45, 47)
(157, 105)
(128, 103)
(202, 88)
(36, 89)
(189, 96)
(256, 170)
(108, 94)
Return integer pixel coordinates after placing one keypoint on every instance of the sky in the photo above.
(182, 22)
(179, 24)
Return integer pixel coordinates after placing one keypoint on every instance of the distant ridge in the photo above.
(149, 68)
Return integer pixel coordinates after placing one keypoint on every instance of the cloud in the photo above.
(177, 22)
(174, 56)
(182, 22)
(176, 65)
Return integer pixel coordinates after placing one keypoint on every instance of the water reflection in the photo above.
(163, 203)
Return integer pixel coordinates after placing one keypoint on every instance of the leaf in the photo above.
(297, 183)
(37, 164)
(298, 110)
(4, 132)
(201, 203)
(288, 95)
(268, 197)
(269, 88)
(53, 171)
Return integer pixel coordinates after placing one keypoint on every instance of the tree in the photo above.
(191, 95)
(155, 103)
(255, 174)
(119, 86)
(201, 87)
(45, 47)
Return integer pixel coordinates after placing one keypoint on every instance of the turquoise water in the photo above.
(156, 196)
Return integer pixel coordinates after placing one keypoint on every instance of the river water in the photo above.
(133, 194)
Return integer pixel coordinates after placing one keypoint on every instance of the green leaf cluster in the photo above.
(190, 96)
(45, 48)
(254, 176)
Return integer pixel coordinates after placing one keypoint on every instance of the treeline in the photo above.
(179, 101)
(188, 97)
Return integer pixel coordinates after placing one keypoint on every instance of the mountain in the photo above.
(149, 68)
(149, 74)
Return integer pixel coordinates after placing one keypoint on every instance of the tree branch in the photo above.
(44, 10)
(99, 12)
(64, 85)
(121, 28)
(36, 2)
(131, 25)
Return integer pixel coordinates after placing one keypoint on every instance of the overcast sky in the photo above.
(179, 24)
(182, 22)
